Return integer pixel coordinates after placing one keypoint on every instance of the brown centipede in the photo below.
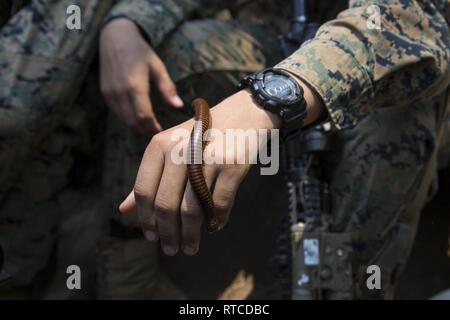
(196, 174)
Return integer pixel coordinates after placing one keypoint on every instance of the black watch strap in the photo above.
(291, 113)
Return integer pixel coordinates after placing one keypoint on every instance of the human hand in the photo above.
(127, 67)
(165, 202)
(167, 207)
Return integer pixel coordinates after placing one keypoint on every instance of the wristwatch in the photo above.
(277, 91)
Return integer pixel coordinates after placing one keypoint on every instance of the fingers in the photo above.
(131, 103)
(121, 109)
(166, 203)
(125, 75)
(191, 222)
(124, 109)
(192, 216)
(162, 80)
(146, 121)
(128, 205)
(225, 189)
(167, 206)
(114, 98)
(145, 188)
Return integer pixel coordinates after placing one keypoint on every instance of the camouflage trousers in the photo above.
(373, 171)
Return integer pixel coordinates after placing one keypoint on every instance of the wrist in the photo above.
(314, 105)
(121, 23)
(286, 98)
(242, 111)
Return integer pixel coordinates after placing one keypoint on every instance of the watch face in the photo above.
(280, 87)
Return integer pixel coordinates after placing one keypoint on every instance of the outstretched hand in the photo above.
(167, 207)
(163, 198)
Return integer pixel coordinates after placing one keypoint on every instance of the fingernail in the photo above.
(177, 101)
(169, 250)
(150, 235)
(188, 250)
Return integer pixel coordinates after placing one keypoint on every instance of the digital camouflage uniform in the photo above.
(383, 90)
(380, 88)
(47, 202)
(52, 133)
(50, 200)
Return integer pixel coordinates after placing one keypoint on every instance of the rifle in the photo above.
(303, 28)
(304, 268)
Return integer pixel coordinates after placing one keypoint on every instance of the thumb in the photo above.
(128, 205)
(164, 83)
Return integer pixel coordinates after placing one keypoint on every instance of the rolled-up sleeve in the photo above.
(358, 62)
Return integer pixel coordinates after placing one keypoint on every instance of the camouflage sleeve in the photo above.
(42, 66)
(42, 61)
(355, 64)
(157, 18)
